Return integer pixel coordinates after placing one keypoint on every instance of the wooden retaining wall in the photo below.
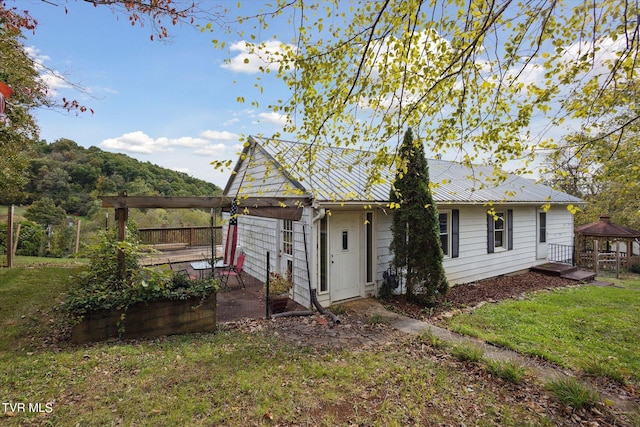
(150, 319)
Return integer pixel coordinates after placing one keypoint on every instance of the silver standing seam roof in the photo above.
(340, 175)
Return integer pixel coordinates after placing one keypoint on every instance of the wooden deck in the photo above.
(196, 253)
(565, 271)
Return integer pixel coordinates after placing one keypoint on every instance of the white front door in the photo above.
(541, 234)
(344, 256)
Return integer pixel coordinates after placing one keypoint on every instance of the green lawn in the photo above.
(230, 377)
(589, 328)
(18, 211)
(31, 261)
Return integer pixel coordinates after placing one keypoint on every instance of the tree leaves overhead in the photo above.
(601, 162)
(160, 15)
(471, 77)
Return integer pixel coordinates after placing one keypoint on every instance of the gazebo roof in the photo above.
(605, 228)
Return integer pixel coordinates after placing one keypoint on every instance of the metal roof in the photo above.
(333, 174)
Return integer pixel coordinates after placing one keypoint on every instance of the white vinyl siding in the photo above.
(474, 263)
(257, 236)
(559, 220)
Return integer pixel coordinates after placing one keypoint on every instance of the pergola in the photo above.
(270, 207)
(606, 242)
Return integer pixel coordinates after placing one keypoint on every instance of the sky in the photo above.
(174, 103)
(171, 103)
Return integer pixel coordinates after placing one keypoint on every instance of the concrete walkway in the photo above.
(544, 371)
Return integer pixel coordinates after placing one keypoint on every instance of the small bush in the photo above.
(467, 352)
(376, 319)
(431, 339)
(32, 239)
(635, 268)
(507, 370)
(573, 393)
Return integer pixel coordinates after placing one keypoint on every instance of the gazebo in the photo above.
(607, 243)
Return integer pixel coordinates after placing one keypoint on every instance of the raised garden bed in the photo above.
(149, 319)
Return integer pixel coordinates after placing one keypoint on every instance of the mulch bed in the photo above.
(470, 295)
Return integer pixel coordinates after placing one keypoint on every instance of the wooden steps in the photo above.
(565, 271)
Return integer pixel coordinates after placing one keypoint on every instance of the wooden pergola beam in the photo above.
(147, 202)
(271, 207)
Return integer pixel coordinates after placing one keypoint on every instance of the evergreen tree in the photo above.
(45, 212)
(415, 244)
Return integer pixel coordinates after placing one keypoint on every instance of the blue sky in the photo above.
(170, 103)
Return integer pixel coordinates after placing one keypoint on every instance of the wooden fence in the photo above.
(186, 236)
(606, 260)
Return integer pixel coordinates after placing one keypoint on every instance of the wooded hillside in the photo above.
(73, 176)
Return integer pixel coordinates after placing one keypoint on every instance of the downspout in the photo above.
(321, 214)
(312, 291)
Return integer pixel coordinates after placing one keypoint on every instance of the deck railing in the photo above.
(563, 254)
(190, 236)
(607, 260)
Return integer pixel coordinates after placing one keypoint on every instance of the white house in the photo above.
(340, 244)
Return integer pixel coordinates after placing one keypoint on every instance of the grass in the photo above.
(573, 393)
(507, 370)
(28, 298)
(467, 352)
(376, 319)
(429, 338)
(590, 328)
(227, 378)
(18, 211)
(29, 261)
(627, 280)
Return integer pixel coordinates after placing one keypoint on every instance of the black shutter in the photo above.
(509, 229)
(491, 224)
(455, 233)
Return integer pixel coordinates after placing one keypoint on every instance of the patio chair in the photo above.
(233, 270)
(181, 271)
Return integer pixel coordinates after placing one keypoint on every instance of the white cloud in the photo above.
(185, 141)
(139, 142)
(219, 136)
(135, 142)
(212, 150)
(271, 117)
(252, 57)
(51, 78)
(231, 122)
